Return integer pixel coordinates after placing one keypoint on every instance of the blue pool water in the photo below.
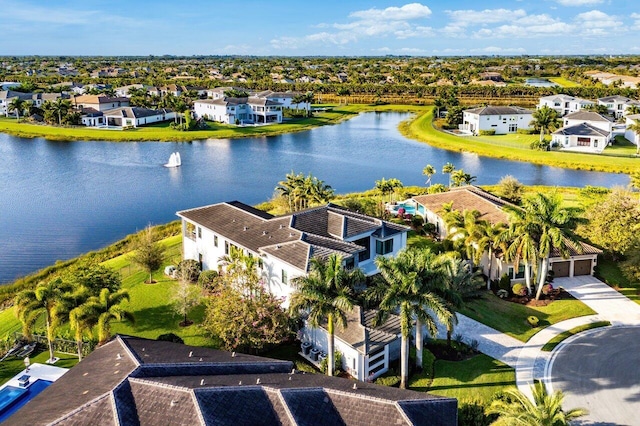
(12, 398)
(408, 208)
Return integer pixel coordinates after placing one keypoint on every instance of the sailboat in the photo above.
(174, 160)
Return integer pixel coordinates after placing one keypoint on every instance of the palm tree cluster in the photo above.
(545, 120)
(388, 186)
(91, 299)
(60, 112)
(537, 228)
(301, 192)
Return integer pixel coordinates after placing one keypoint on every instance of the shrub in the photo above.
(458, 338)
(474, 344)
(547, 289)
(170, 337)
(511, 189)
(429, 228)
(207, 279)
(487, 132)
(472, 414)
(539, 146)
(417, 222)
(519, 290)
(337, 363)
(505, 282)
(502, 293)
(526, 131)
(388, 379)
(188, 270)
(533, 321)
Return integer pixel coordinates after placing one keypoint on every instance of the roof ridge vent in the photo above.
(245, 228)
(264, 232)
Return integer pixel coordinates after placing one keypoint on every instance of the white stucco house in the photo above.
(590, 117)
(628, 134)
(501, 119)
(248, 110)
(99, 102)
(564, 104)
(617, 105)
(430, 206)
(136, 116)
(582, 137)
(284, 98)
(37, 99)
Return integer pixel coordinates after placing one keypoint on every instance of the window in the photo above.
(595, 143)
(349, 263)
(520, 273)
(584, 142)
(284, 278)
(215, 241)
(510, 272)
(199, 232)
(226, 247)
(384, 247)
(513, 127)
(366, 254)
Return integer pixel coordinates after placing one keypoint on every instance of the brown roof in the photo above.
(226, 389)
(98, 99)
(467, 198)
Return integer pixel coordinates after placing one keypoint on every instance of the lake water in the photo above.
(60, 199)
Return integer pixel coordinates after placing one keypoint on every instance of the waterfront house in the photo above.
(37, 99)
(470, 197)
(630, 135)
(136, 116)
(99, 102)
(286, 244)
(135, 381)
(248, 110)
(584, 131)
(500, 119)
(284, 98)
(564, 104)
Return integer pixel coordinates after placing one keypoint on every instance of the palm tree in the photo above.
(428, 171)
(326, 294)
(82, 319)
(402, 289)
(106, 307)
(48, 300)
(17, 105)
(460, 177)
(635, 128)
(545, 119)
(448, 169)
(514, 408)
(60, 107)
(464, 229)
(491, 239)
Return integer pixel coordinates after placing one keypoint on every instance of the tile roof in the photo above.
(293, 238)
(98, 99)
(252, 390)
(582, 129)
(498, 110)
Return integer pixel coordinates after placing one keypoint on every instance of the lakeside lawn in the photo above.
(11, 367)
(511, 318)
(515, 147)
(564, 82)
(163, 131)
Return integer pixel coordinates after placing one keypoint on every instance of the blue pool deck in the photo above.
(13, 396)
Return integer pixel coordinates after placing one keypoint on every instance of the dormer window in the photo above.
(384, 247)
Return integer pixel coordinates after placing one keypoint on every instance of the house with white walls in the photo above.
(630, 135)
(136, 116)
(582, 137)
(286, 99)
(581, 261)
(100, 102)
(617, 105)
(250, 110)
(286, 244)
(564, 104)
(500, 119)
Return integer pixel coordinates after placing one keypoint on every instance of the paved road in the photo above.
(600, 371)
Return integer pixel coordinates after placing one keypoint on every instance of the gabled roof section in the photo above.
(216, 404)
(311, 407)
(467, 198)
(587, 116)
(499, 110)
(362, 335)
(619, 99)
(582, 129)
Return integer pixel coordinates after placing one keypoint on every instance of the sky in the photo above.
(319, 27)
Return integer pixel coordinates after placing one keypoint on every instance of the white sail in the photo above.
(174, 160)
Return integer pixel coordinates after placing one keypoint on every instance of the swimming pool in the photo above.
(409, 208)
(13, 398)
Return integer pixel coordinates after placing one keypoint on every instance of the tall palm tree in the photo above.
(460, 177)
(47, 300)
(448, 169)
(402, 290)
(545, 119)
(545, 410)
(17, 105)
(107, 308)
(465, 229)
(326, 294)
(635, 128)
(429, 171)
(82, 319)
(60, 107)
(490, 239)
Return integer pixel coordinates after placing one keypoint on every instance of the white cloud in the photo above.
(404, 13)
(636, 22)
(579, 2)
(597, 23)
(495, 50)
(464, 18)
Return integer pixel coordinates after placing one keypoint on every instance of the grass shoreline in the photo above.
(163, 133)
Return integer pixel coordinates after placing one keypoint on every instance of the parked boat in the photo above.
(174, 160)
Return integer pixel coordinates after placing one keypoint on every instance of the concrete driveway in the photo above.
(600, 370)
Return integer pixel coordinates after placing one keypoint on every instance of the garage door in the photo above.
(582, 267)
(560, 269)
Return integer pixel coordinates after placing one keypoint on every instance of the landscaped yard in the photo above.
(609, 272)
(421, 128)
(511, 318)
(11, 367)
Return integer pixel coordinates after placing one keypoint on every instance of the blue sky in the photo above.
(320, 27)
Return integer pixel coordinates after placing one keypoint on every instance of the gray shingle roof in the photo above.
(499, 110)
(134, 112)
(586, 116)
(232, 394)
(582, 129)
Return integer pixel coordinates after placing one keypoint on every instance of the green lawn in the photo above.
(511, 318)
(475, 379)
(609, 272)
(12, 366)
(515, 147)
(561, 81)
(551, 344)
(162, 131)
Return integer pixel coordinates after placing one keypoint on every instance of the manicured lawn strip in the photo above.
(475, 379)
(421, 128)
(12, 366)
(162, 131)
(8, 323)
(551, 344)
(511, 318)
(564, 82)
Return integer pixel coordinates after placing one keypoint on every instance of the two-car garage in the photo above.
(564, 268)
